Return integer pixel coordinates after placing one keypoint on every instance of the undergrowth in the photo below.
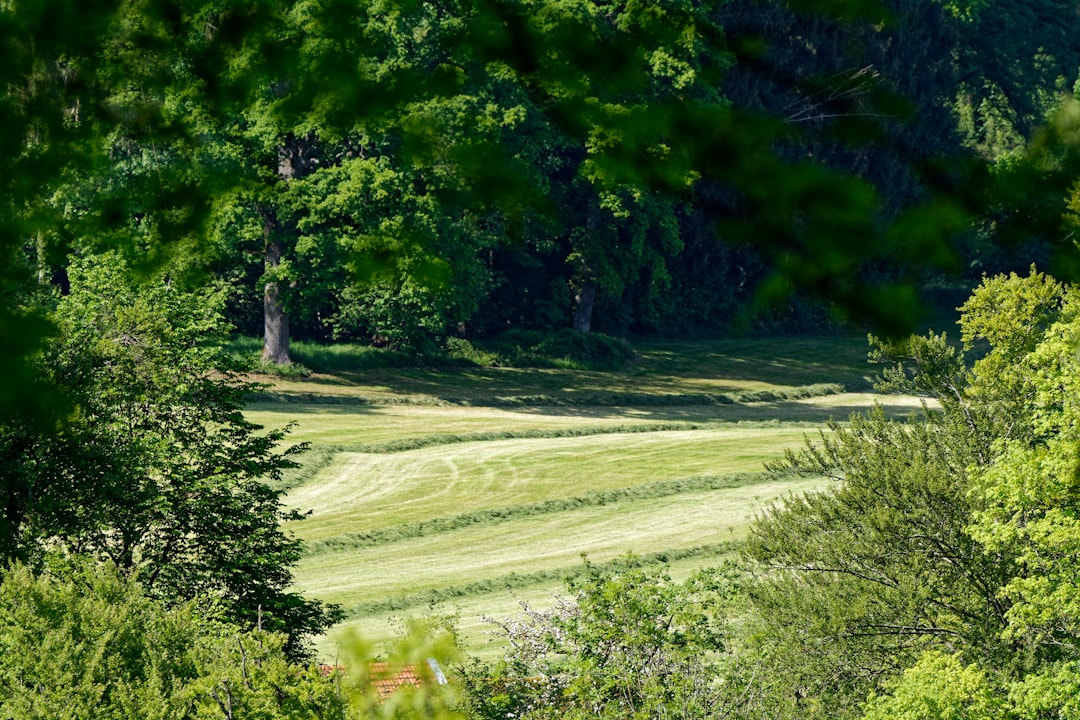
(564, 349)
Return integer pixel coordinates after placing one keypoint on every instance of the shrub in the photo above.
(564, 348)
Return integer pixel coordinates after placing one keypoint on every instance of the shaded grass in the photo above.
(594, 398)
(777, 360)
(504, 514)
(704, 372)
(336, 358)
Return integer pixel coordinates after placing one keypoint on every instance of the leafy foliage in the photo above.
(631, 643)
(938, 686)
(947, 550)
(81, 641)
(159, 472)
(566, 347)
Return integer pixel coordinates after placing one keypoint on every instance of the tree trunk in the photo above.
(583, 305)
(586, 284)
(275, 319)
(295, 160)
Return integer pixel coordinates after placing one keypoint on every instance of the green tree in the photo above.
(81, 641)
(158, 471)
(368, 197)
(860, 579)
(938, 686)
(628, 643)
(946, 548)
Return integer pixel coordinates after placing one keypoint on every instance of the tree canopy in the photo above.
(403, 171)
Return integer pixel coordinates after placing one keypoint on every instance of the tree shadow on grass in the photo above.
(811, 411)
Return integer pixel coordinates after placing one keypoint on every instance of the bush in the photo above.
(81, 641)
(463, 350)
(562, 349)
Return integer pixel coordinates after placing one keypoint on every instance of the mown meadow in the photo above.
(463, 490)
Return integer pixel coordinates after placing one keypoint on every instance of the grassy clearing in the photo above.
(483, 553)
(663, 374)
(463, 489)
(373, 491)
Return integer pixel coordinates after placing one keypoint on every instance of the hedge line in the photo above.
(599, 398)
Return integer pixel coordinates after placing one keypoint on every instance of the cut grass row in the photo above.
(517, 581)
(477, 553)
(474, 615)
(323, 455)
(547, 507)
(374, 491)
(356, 425)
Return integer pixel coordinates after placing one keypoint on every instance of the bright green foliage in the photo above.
(949, 547)
(1051, 692)
(938, 687)
(422, 643)
(631, 644)
(1030, 494)
(988, 401)
(364, 220)
(80, 641)
(84, 643)
(158, 471)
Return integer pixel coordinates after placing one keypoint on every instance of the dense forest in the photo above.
(429, 176)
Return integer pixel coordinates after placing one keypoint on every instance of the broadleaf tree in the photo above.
(939, 569)
(157, 471)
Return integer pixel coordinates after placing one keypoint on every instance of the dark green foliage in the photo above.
(676, 164)
(562, 348)
(318, 357)
(1014, 61)
(157, 471)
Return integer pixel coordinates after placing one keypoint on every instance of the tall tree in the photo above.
(159, 472)
(598, 73)
(911, 555)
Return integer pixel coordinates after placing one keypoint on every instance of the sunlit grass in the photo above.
(366, 490)
(473, 615)
(461, 490)
(539, 543)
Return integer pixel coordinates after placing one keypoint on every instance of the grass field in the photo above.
(465, 491)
